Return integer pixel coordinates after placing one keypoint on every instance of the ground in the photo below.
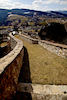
(45, 67)
(3, 44)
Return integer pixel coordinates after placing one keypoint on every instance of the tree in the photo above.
(55, 31)
(15, 28)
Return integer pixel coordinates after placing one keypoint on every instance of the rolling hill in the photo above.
(4, 14)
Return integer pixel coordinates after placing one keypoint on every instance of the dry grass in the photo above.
(31, 23)
(13, 17)
(3, 44)
(5, 27)
(45, 67)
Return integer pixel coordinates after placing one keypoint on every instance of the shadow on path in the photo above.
(24, 77)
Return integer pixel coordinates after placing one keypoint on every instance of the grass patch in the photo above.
(45, 67)
(14, 17)
(3, 44)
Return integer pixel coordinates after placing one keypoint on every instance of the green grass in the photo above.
(45, 67)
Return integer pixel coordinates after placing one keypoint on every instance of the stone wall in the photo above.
(29, 39)
(13, 42)
(59, 49)
(43, 92)
(10, 66)
(5, 49)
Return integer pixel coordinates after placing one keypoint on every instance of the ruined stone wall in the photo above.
(43, 92)
(4, 50)
(10, 66)
(59, 49)
(13, 42)
(29, 39)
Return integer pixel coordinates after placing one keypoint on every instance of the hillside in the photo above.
(4, 13)
(63, 12)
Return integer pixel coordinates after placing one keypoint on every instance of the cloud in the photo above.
(5, 4)
(50, 1)
(47, 5)
(4, 1)
(45, 1)
(20, 5)
(64, 2)
(64, 8)
(43, 5)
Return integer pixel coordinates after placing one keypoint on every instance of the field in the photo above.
(44, 66)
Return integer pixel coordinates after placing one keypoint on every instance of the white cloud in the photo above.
(4, 1)
(50, 1)
(63, 2)
(45, 1)
(64, 8)
(5, 4)
(42, 5)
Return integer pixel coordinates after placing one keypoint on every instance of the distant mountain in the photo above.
(31, 13)
(63, 12)
(26, 12)
(58, 14)
(3, 15)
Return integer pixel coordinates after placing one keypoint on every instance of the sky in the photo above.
(40, 5)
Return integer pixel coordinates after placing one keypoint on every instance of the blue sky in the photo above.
(42, 5)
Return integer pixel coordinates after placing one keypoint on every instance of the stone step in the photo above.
(43, 92)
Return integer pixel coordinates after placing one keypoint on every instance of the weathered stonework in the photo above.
(13, 42)
(59, 49)
(29, 39)
(4, 50)
(10, 67)
(44, 92)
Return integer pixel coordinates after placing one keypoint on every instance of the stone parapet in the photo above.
(59, 49)
(5, 47)
(10, 66)
(29, 39)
